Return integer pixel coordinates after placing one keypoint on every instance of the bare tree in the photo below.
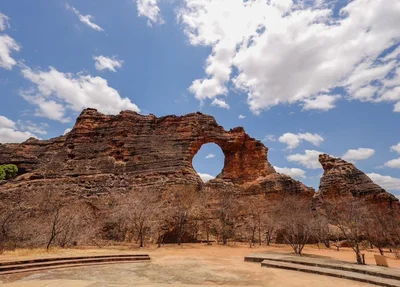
(257, 222)
(347, 215)
(225, 213)
(377, 227)
(142, 210)
(323, 230)
(202, 212)
(297, 222)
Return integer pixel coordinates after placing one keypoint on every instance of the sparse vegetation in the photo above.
(49, 218)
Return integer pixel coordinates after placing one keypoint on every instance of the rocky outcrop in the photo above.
(104, 154)
(343, 179)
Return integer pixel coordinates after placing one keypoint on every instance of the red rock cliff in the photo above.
(103, 154)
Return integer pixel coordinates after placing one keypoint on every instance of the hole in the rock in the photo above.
(208, 161)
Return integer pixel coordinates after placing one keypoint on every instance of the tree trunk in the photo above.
(358, 254)
(208, 234)
(381, 251)
(141, 239)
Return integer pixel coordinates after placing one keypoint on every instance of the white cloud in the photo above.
(150, 9)
(385, 181)
(220, 103)
(396, 108)
(205, 176)
(321, 102)
(67, 130)
(394, 163)
(287, 52)
(6, 123)
(210, 155)
(56, 93)
(7, 45)
(207, 89)
(86, 19)
(358, 154)
(293, 140)
(396, 148)
(4, 22)
(309, 159)
(270, 138)
(241, 117)
(9, 134)
(293, 172)
(103, 63)
(38, 129)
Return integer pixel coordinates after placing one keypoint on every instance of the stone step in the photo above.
(67, 258)
(37, 269)
(384, 272)
(332, 272)
(63, 262)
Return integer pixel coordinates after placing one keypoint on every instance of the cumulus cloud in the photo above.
(385, 181)
(9, 132)
(6, 123)
(322, 102)
(86, 19)
(205, 176)
(241, 117)
(7, 45)
(150, 10)
(294, 140)
(394, 163)
(293, 172)
(55, 93)
(290, 52)
(358, 154)
(220, 103)
(106, 63)
(309, 159)
(210, 155)
(396, 148)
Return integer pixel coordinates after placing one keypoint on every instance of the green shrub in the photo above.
(8, 171)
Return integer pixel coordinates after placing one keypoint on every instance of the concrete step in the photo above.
(37, 269)
(66, 258)
(332, 272)
(384, 272)
(47, 263)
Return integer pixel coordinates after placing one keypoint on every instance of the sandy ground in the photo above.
(187, 265)
(202, 250)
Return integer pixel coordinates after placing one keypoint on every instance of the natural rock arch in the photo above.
(245, 157)
(104, 154)
(203, 164)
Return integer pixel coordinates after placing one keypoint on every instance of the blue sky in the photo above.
(302, 76)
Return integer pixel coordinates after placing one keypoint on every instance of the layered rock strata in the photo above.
(342, 179)
(104, 154)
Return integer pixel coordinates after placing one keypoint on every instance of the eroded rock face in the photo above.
(104, 154)
(343, 179)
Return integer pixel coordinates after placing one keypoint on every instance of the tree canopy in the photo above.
(8, 171)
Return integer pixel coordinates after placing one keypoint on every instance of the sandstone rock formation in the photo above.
(343, 179)
(103, 154)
